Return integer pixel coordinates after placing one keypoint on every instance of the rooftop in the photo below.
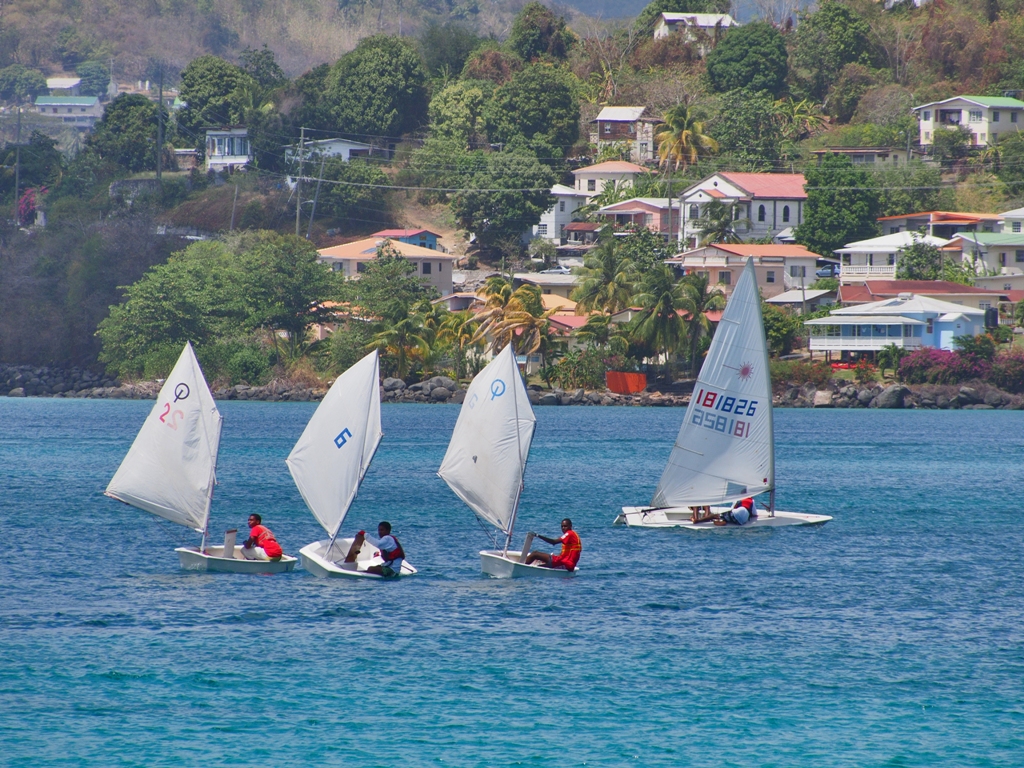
(939, 216)
(991, 238)
(982, 101)
(873, 290)
(561, 189)
(636, 205)
(620, 114)
(907, 302)
(613, 166)
(367, 248)
(62, 83)
(758, 250)
(536, 278)
(894, 242)
(798, 296)
(772, 185)
(583, 226)
(66, 101)
(699, 19)
(404, 233)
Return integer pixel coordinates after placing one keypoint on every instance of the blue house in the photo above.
(909, 321)
(424, 238)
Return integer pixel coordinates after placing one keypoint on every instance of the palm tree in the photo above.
(459, 330)
(681, 141)
(660, 323)
(403, 336)
(699, 298)
(605, 280)
(601, 332)
(512, 316)
(717, 225)
(798, 119)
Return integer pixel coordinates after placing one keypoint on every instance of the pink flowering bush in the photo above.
(938, 366)
(1008, 371)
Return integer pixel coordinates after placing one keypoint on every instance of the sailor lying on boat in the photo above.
(391, 551)
(567, 558)
(261, 544)
(740, 514)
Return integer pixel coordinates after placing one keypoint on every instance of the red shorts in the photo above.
(557, 561)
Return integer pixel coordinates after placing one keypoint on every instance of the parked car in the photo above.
(829, 270)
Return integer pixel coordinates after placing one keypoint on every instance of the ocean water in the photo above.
(890, 637)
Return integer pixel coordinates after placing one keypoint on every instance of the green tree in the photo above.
(506, 199)
(127, 132)
(95, 78)
(378, 89)
(605, 281)
(842, 206)
(459, 329)
(780, 329)
(540, 102)
(42, 165)
(538, 32)
(387, 280)
(314, 107)
(919, 261)
(660, 322)
(747, 128)
(826, 41)
(489, 62)
(19, 83)
(444, 164)
(889, 356)
(457, 111)
(1011, 163)
(402, 337)
(643, 248)
(718, 224)
(261, 65)
(446, 47)
(209, 86)
(753, 56)
(352, 191)
(512, 316)
(681, 141)
(913, 186)
(698, 298)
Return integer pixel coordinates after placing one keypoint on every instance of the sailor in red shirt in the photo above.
(261, 544)
(567, 558)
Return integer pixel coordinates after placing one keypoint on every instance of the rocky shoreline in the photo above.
(29, 381)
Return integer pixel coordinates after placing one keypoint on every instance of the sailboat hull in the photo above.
(679, 517)
(503, 565)
(315, 560)
(213, 560)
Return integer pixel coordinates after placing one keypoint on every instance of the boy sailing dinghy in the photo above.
(487, 456)
(328, 464)
(171, 469)
(725, 450)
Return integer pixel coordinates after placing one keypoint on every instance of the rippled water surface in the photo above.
(890, 637)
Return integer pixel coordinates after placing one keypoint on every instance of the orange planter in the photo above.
(625, 383)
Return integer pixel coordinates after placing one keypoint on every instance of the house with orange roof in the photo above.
(779, 268)
(944, 224)
(594, 178)
(434, 267)
(764, 204)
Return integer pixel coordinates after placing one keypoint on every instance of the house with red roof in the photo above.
(763, 203)
(779, 267)
(955, 293)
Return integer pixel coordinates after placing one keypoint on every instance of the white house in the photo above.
(594, 178)
(80, 111)
(689, 23)
(992, 253)
(768, 202)
(778, 268)
(342, 148)
(227, 149)
(909, 321)
(875, 258)
(986, 117)
(554, 220)
(432, 266)
(549, 283)
(941, 223)
(1013, 221)
(628, 126)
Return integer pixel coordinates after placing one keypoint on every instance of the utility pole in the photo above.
(298, 180)
(160, 130)
(17, 170)
(233, 204)
(316, 196)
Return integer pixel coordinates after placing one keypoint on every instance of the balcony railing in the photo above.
(862, 343)
(851, 272)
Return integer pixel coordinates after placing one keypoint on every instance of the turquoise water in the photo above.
(889, 637)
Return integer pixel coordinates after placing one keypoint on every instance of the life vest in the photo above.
(749, 504)
(571, 549)
(395, 554)
(265, 539)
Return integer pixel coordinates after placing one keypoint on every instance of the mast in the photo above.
(771, 409)
(519, 448)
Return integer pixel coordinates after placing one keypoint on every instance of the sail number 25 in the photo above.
(174, 416)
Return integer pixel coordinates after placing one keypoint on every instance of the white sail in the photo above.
(331, 457)
(170, 469)
(490, 444)
(724, 450)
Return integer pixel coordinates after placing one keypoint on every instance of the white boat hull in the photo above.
(503, 565)
(213, 560)
(315, 560)
(679, 517)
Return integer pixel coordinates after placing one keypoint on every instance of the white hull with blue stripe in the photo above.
(680, 517)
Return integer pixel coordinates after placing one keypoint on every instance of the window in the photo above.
(995, 137)
(1006, 287)
(648, 219)
(607, 127)
(931, 324)
(927, 115)
(1013, 117)
(761, 213)
(561, 206)
(984, 305)
(426, 267)
(893, 230)
(891, 261)
(632, 127)
(1015, 226)
(785, 213)
(591, 185)
(974, 115)
(360, 266)
(695, 212)
(643, 150)
(770, 276)
(542, 229)
(908, 330)
(725, 277)
(1019, 257)
(927, 136)
(798, 271)
(995, 116)
(1002, 259)
(981, 137)
(895, 331)
(440, 267)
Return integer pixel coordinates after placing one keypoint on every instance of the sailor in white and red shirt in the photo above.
(391, 551)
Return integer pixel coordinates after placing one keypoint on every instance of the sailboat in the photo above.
(328, 464)
(486, 459)
(171, 469)
(725, 450)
